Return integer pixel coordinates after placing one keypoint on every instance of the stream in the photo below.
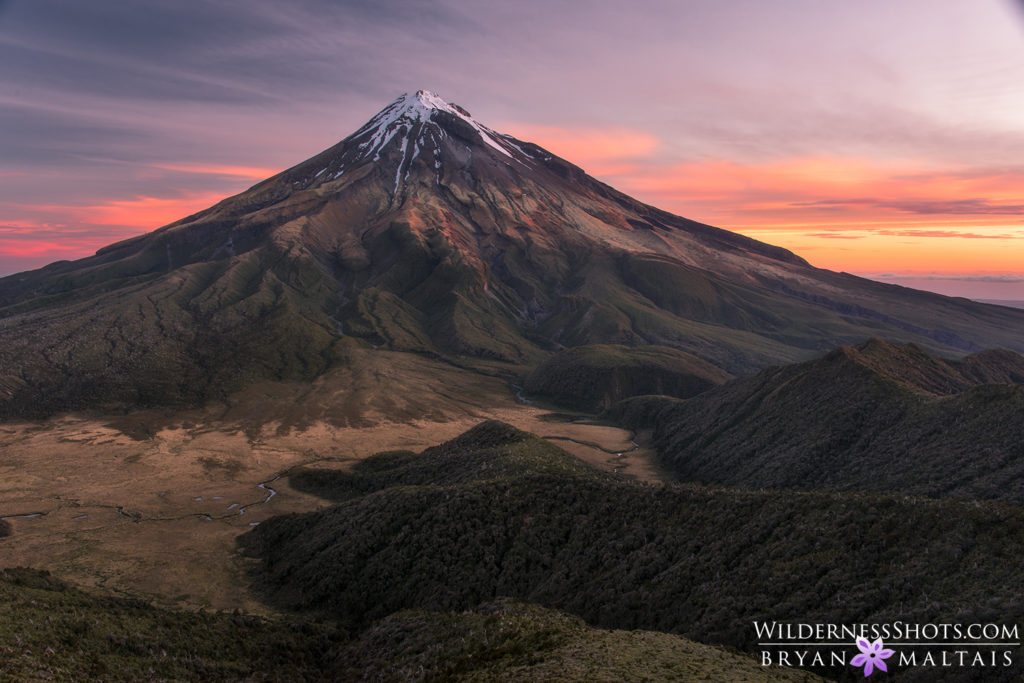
(137, 517)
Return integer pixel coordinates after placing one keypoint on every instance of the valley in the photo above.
(158, 517)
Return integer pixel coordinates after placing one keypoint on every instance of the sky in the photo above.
(883, 138)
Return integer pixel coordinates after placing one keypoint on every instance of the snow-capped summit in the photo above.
(421, 105)
(402, 116)
(417, 138)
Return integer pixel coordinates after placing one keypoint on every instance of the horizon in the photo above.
(877, 141)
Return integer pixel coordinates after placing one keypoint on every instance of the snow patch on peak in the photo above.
(418, 108)
(424, 101)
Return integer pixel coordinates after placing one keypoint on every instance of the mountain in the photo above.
(876, 417)
(426, 232)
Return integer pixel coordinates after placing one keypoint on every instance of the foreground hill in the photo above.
(427, 232)
(697, 561)
(52, 631)
(506, 640)
(877, 417)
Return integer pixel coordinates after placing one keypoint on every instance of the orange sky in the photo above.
(854, 214)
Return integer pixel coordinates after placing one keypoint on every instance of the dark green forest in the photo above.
(877, 417)
(50, 630)
(593, 378)
(703, 562)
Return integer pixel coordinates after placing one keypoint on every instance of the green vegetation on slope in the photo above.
(52, 631)
(511, 641)
(877, 417)
(490, 451)
(592, 378)
(697, 561)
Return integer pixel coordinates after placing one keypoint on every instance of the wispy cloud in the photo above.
(146, 213)
(831, 193)
(247, 172)
(835, 236)
(955, 234)
(605, 151)
(1010, 278)
(31, 246)
(970, 207)
(957, 207)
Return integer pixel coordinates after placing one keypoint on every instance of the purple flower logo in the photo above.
(871, 656)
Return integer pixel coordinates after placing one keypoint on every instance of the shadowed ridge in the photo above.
(122, 639)
(701, 561)
(488, 434)
(911, 367)
(876, 417)
(592, 378)
(510, 640)
(67, 633)
(490, 451)
(994, 366)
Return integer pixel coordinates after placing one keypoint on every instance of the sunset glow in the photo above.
(852, 214)
(880, 140)
(142, 212)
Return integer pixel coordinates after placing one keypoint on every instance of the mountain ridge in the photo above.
(878, 417)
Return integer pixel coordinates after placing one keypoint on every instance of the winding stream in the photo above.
(137, 516)
(620, 456)
(595, 446)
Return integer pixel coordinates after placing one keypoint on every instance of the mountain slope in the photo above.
(57, 632)
(701, 562)
(878, 417)
(510, 641)
(52, 631)
(427, 232)
(594, 377)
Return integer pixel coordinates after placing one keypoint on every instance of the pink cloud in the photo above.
(246, 172)
(598, 150)
(143, 212)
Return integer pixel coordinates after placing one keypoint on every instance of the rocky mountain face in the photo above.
(427, 232)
